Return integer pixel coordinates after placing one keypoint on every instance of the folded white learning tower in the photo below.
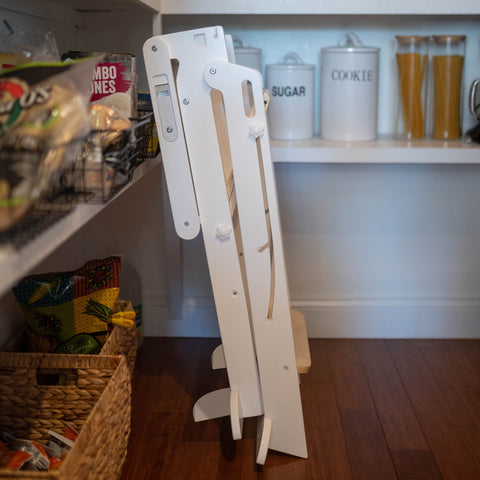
(212, 127)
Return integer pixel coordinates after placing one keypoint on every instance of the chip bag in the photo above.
(69, 312)
(43, 121)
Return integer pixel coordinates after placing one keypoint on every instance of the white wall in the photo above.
(371, 251)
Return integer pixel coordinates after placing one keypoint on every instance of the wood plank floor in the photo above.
(374, 410)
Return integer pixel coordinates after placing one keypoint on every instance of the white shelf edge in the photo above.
(320, 7)
(384, 150)
(15, 264)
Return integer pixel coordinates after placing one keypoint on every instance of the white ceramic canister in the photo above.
(291, 86)
(246, 56)
(349, 91)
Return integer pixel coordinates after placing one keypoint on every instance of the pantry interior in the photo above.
(380, 237)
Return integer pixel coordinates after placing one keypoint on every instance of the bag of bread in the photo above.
(43, 119)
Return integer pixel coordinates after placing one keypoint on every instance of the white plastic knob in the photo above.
(224, 231)
(256, 129)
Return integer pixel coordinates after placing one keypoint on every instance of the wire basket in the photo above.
(109, 158)
(33, 190)
(93, 170)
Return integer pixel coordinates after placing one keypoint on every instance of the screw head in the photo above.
(186, 223)
(154, 48)
(186, 101)
(169, 129)
(213, 71)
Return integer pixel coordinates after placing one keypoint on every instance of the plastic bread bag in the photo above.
(19, 47)
(43, 120)
(70, 312)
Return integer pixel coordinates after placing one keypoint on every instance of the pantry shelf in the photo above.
(383, 150)
(324, 7)
(14, 264)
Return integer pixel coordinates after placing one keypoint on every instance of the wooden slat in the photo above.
(300, 340)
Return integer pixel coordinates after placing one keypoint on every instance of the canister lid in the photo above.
(248, 50)
(291, 61)
(350, 43)
(411, 39)
(241, 47)
(448, 39)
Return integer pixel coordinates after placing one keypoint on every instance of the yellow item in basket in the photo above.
(125, 319)
(71, 311)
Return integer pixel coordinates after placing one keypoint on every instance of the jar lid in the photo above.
(241, 47)
(448, 39)
(291, 61)
(248, 50)
(350, 43)
(411, 39)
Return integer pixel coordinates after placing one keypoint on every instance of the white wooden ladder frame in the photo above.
(215, 149)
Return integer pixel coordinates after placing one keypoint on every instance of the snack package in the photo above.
(69, 312)
(43, 119)
(18, 453)
(59, 445)
(12, 459)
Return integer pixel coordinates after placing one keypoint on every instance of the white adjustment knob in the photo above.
(224, 231)
(256, 129)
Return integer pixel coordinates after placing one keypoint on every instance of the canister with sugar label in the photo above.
(247, 56)
(291, 86)
(349, 91)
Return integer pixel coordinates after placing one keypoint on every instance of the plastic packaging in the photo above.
(18, 47)
(69, 312)
(43, 120)
(412, 67)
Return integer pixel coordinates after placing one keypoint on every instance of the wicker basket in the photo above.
(94, 398)
(122, 340)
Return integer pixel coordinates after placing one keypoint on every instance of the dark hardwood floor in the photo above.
(374, 410)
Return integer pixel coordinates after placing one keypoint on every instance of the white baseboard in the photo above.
(399, 318)
(341, 318)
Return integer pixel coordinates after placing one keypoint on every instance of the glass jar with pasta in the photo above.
(448, 52)
(412, 68)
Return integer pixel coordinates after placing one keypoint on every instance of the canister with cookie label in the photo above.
(349, 90)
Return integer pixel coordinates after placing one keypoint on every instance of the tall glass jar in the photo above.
(448, 52)
(412, 62)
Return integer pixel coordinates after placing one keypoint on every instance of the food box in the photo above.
(114, 80)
